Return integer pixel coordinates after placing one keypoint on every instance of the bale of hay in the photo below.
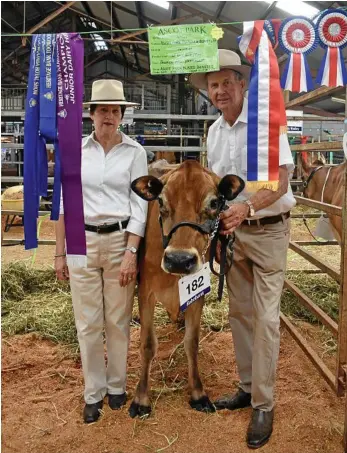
(13, 198)
(35, 301)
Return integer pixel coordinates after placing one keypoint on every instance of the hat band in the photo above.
(106, 100)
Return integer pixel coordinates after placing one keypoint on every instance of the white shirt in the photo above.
(106, 180)
(227, 154)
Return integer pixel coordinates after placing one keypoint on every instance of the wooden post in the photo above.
(342, 343)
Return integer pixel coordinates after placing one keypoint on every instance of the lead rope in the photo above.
(210, 238)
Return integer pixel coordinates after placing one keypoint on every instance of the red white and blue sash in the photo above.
(332, 34)
(265, 105)
(297, 37)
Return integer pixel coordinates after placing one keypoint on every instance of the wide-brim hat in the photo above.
(108, 91)
(227, 60)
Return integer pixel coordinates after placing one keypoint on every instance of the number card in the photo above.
(194, 286)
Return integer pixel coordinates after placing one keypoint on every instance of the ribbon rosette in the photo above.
(297, 37)
(332, 34)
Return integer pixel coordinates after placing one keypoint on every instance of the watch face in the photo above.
(132, 249)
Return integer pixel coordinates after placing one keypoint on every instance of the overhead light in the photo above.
(162, 3)
(339, 100)
(293, 8)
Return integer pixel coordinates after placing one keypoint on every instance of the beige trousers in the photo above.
(98, 301)
(255, 283)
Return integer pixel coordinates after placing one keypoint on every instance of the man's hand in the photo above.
(233, 217)
(128, 268)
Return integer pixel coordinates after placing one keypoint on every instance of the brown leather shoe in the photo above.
(91, 412)
(260, 428)
(239, 400)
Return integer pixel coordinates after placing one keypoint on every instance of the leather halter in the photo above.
(208, 227)
(306, 183)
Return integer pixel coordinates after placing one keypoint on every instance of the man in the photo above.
(260, 222)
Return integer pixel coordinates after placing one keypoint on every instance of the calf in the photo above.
(188, 202)
(324, 183)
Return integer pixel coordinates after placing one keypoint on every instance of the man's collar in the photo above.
(241, 118)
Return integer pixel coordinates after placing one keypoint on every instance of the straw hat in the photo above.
(227, 60)
(108, 91)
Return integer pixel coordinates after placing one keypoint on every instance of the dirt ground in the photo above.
(42, 402)
(42, 396)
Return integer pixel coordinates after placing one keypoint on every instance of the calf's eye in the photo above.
(214, 203)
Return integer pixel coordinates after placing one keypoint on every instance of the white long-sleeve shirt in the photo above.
(106, 180)
(227, 154)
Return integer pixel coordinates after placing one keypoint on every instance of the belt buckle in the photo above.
(99, 228)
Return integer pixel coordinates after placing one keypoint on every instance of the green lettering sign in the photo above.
(182, 49)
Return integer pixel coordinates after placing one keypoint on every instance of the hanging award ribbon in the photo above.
(332, 34)
(297, 37)
(264, 111)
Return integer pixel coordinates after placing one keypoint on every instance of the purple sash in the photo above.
(69, 119)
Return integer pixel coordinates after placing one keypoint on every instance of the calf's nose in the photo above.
(180, 262)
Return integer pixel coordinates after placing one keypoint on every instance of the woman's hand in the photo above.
(128, 268)
(61, 269)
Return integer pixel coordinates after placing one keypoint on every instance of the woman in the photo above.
(115, 217)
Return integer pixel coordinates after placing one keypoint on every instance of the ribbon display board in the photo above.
(183, 49)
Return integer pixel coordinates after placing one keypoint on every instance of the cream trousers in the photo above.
(98, 302)
(255, 283)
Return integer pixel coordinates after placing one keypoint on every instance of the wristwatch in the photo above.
(131, 249)
(251, 208)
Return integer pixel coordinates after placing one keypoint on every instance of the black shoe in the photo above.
(237, 401)
(91, 412)
(260, 428)
(117, 401)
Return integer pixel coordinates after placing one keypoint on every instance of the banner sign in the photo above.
(295, 127)
(183, 49)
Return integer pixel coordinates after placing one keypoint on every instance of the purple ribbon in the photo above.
(69, 119)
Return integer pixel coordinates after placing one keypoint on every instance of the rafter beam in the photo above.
(173, 12)
(116, 23)
(47, 19)
(269, 10)
(313, 96)
(219, 10)
(134, 13)
(206, 17)
(142, 24)
(136, 33)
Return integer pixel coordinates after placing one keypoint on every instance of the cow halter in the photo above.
(306, 183)
(209, 227)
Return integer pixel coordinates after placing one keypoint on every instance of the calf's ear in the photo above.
(230, 186)
(147, 187)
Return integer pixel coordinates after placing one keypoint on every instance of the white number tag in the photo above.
(191, 287)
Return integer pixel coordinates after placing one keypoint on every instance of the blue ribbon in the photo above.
(32, 142)
(48, 117)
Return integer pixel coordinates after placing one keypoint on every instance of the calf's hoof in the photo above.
(137, 410)
(203, 404)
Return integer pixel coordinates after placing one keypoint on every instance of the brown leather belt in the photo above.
(104, 229)
(267, 220)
